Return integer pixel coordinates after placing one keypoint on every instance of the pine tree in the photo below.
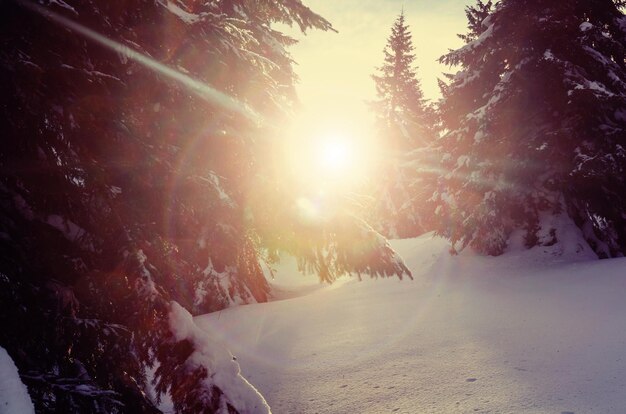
(129, 197)
(535, 127)
(406, 127)
(475, 15)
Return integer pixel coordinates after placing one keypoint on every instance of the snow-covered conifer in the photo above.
(405, 127)
(535, 127)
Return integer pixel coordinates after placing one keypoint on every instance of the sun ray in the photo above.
(201, 89)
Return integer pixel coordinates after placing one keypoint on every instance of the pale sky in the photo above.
(335, 68)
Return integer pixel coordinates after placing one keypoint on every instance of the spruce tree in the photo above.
(129, 196)
(475, 15)
(406, 127)
(535, 127)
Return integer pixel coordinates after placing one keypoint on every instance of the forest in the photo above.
(149, 188)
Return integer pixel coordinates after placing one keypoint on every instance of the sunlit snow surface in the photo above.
(521, 333)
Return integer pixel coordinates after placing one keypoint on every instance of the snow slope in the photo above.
(14, 396)
(469, 334)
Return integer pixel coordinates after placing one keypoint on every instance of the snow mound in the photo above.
(225, 372)
(560, 241)
(14, 398)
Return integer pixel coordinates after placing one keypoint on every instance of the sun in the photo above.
(334, 154)
(334, 161)
(326, 156)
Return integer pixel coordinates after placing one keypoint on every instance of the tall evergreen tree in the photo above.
(406, 126)
(536, 128)
(475, 15)
(129, 196)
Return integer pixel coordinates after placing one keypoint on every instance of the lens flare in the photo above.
(308, 210)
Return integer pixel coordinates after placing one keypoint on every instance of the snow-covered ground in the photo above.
(522, 333)
(14, 398)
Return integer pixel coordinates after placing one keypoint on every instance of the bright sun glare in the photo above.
(334, 154)
(324, 165)
(331, 158)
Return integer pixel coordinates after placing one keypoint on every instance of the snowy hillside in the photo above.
(469, 334)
